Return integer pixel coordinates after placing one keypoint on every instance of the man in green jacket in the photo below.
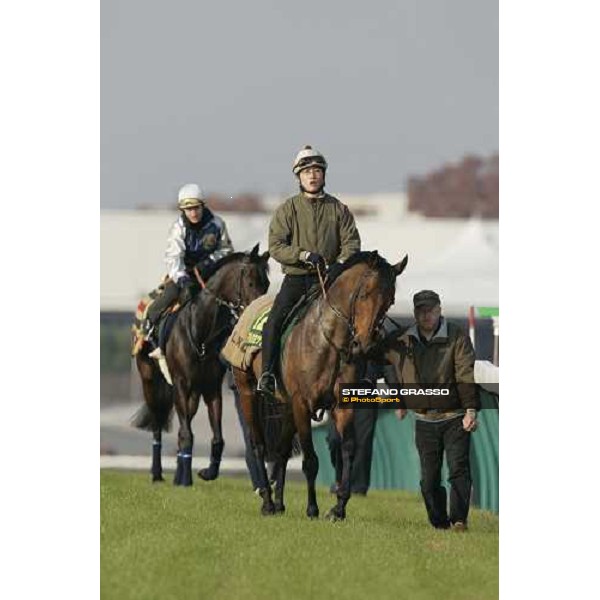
(309, 232)
(435, 352)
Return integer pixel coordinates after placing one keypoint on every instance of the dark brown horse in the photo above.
(324, 349)
(192, 355)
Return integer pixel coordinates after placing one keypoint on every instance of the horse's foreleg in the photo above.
(283, 454)
(187, 405)
(258, 448)
(310, 462)
(214, 406)
(249, 405)
(156, 456)
(345, 427)
(155, 414)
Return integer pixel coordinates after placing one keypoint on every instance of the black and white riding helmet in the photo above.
(308, 157)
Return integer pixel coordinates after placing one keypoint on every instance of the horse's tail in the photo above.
(161, 413)
(272, 417)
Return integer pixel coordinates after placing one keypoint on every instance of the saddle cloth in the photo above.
(246, 338)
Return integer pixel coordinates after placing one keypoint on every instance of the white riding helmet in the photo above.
(190, 195)
(308, 157)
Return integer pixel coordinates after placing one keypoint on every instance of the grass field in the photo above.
(209, 541)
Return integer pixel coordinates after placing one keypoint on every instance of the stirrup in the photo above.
(148, 330)
(267, 384)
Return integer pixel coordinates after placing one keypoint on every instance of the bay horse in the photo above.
(192, 355)
(323, 349)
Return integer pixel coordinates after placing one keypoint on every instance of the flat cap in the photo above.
(426, 298)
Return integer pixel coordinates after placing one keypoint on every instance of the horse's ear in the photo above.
(399, 267)
(254, 251)
(265, 256)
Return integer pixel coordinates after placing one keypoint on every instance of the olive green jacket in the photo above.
(322, 225)
(447, 359)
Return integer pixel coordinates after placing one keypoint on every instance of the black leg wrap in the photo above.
(156, 462)
(186, 468)
(216, 452)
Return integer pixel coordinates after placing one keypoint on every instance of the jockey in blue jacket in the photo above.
(197, 239)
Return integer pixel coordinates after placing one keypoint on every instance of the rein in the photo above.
(333, 308)
(398, 325)
(202, 351)
(344, 352)
(234, 308)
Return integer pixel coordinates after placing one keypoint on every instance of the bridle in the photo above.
(353, 340)
(235, 308)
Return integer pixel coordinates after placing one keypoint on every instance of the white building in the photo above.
(458, 258)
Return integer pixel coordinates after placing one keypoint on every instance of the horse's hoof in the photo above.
(208, 474)
(279, 508)
(157, 478)
(312, 512)
(334, 515)
(267, 510)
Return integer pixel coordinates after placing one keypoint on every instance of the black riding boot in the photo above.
(168, 297)
(267, 383)
(292, 289)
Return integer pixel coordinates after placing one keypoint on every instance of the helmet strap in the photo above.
(319, 192)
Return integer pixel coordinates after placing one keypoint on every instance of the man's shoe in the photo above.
(459, 526)
(266, 384)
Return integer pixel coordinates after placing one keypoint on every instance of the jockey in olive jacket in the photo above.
(301, 224)
(309, 231)
(197, 239)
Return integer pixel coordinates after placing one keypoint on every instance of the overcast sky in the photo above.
(225, 93)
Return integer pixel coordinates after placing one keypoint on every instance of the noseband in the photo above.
(236, 307)
(345, 352)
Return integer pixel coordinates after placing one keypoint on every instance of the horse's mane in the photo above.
(248, 257)
(371, 258)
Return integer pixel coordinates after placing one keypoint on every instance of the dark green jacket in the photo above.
(448, 358)
(323, 225)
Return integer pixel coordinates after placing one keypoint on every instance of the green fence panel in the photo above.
(396, 462)
(485, 456)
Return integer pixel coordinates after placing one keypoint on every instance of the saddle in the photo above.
(164, 325)
(246, 338)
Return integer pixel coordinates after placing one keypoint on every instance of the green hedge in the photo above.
(115, 348)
